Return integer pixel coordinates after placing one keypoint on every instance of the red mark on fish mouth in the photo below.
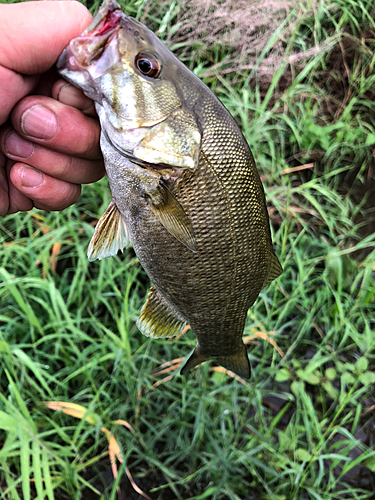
(110, 23)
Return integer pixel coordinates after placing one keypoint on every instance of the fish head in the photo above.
(132, 78)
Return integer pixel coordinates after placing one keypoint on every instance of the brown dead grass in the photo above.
(244, 28)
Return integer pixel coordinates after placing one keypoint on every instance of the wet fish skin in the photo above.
(185, 189)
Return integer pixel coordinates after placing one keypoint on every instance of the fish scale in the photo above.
(186, 191)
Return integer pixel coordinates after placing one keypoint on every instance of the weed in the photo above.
(302, 427)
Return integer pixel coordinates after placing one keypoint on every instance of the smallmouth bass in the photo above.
(186, 191)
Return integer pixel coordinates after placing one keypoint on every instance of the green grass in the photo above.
(303, 426)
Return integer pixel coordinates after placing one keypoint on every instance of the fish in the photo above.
(185, 189)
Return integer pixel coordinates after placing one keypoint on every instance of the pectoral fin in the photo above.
(172, 216)
(237, 363)
(156, 319)
(110, 235)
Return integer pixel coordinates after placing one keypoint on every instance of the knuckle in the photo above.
(60, 196)
(67, 168)
(70, 196)
(92, 143)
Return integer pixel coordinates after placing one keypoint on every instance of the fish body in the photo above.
(186, 191)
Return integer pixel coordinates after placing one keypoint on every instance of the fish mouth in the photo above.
(106, 18)
(84, 50)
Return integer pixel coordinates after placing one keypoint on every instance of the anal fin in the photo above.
(156, 319)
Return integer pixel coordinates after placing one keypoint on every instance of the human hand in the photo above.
(49, 143)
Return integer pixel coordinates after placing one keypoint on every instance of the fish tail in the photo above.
(196, 358)
(237, 363)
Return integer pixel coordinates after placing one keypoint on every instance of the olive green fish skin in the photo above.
(212, 287)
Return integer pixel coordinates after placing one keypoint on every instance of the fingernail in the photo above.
(39, 122)
(15, 145)
(31, 178)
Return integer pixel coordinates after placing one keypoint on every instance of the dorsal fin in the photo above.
(274, 270)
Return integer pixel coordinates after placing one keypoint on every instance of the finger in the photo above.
(47, 193)
(4, 199)
(66, 93)
(57, 126)
(61, 166)
(13, 87)
(46, 82)
(49, 28)
(18, 202)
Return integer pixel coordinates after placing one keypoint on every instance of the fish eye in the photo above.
(148, 65)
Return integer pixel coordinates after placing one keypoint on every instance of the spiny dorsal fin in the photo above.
(156, 319)
(172, 216)
(110, 235)
(274, 271)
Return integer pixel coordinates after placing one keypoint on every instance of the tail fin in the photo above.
(196, 358)
(237, 363)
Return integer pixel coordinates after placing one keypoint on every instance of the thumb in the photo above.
(33, 34)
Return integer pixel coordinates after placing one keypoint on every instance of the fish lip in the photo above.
(106, 8)
(68, 61)
(109, 7)
(83, 50)
(75, 57)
